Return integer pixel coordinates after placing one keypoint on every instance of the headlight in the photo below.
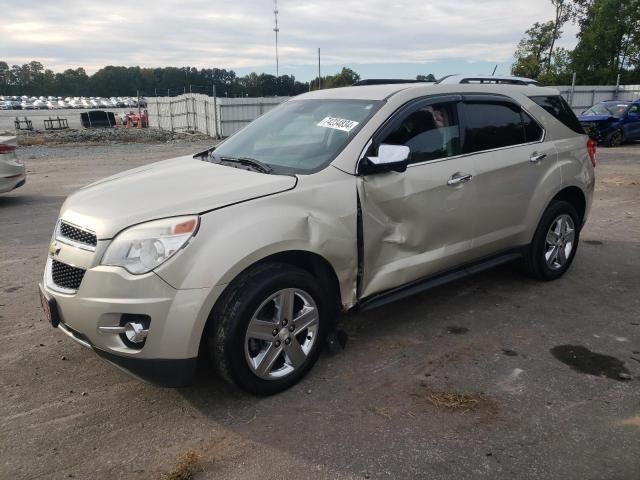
(141, 248)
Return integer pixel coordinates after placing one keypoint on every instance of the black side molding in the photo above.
(427, 283)
(160, 372)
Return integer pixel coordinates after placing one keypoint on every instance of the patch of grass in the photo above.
(382, 411)
(631, 421)
(454, 401)
(186, 468)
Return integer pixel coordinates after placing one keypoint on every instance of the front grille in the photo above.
(66, 276)
(77, 235)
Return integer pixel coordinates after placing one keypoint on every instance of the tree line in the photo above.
(608, 44)
(34, 79)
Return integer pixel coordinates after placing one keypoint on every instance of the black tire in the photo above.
(233, 312)
(615, 139)
(534, 262)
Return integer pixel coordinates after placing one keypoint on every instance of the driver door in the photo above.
(418, 222)
(633, 122)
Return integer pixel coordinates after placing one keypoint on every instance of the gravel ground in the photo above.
(116, 135)
(545, 374)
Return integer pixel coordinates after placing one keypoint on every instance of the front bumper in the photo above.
(177, 319)
(161, 372)
(597, 131)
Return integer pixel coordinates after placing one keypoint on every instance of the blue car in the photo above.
(613, 122)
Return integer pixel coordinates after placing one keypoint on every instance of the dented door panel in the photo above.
(415, 224)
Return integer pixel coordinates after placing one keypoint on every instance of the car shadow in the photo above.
(17, 200)
(222, 402)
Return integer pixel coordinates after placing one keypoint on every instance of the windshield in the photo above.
(613, 109)
(300, 135)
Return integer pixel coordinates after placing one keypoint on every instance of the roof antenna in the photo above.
(494, 70)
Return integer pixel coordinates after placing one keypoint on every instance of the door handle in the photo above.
(536, 158)
(458, 178)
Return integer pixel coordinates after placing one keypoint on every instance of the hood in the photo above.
(180, 186)
(597, 118)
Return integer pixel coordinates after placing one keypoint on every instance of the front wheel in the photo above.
(268, 328)
(555, 242)
(615, 139)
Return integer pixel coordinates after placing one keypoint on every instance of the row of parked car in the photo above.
(53, 103)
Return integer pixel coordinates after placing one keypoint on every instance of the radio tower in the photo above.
(276, 30)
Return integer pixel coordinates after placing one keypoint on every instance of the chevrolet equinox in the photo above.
(336, 200)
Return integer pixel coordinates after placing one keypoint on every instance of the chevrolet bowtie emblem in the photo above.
(53, 249)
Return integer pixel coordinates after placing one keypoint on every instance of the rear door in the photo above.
(510, 161)
(421, 221)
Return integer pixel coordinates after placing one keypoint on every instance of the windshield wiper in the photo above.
(251, 162)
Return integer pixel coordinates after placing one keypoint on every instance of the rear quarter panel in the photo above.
(572, 160)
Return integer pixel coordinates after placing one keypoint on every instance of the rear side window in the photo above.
(490, 125)
(533, 132)
(560, 109)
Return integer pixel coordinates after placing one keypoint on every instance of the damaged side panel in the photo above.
(318, 217)
(414, 223)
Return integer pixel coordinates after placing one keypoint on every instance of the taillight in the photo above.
(4, 148)
(591, 149)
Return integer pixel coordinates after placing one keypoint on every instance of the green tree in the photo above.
(344, 78)
(5, 73)
(533, 50)
(608, 40)
(560, 71)
(564, 11)
(426, 78)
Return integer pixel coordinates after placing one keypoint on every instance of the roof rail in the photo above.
(489, 79)
(385, 81)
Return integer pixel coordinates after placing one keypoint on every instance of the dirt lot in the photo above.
(470, 380)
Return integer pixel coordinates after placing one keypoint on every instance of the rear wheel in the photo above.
(269, 327)
(555, 242)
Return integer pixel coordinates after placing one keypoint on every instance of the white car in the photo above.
(13, 173)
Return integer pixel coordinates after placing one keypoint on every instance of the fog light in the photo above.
(135, 332)
(135, 329)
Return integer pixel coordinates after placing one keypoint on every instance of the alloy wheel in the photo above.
(281, 333)
(560, 242)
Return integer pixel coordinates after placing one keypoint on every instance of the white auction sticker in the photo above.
(338, 123)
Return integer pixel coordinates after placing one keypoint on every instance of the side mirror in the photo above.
(391, 158)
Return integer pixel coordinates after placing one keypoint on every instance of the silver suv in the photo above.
(337, 200)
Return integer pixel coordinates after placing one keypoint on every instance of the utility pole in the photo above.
(319, 69)
(276, 30)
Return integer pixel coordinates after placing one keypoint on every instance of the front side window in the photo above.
(300, 136)
(431, 132)
(491, 125)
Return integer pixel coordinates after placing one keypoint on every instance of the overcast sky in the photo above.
(376, 38)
